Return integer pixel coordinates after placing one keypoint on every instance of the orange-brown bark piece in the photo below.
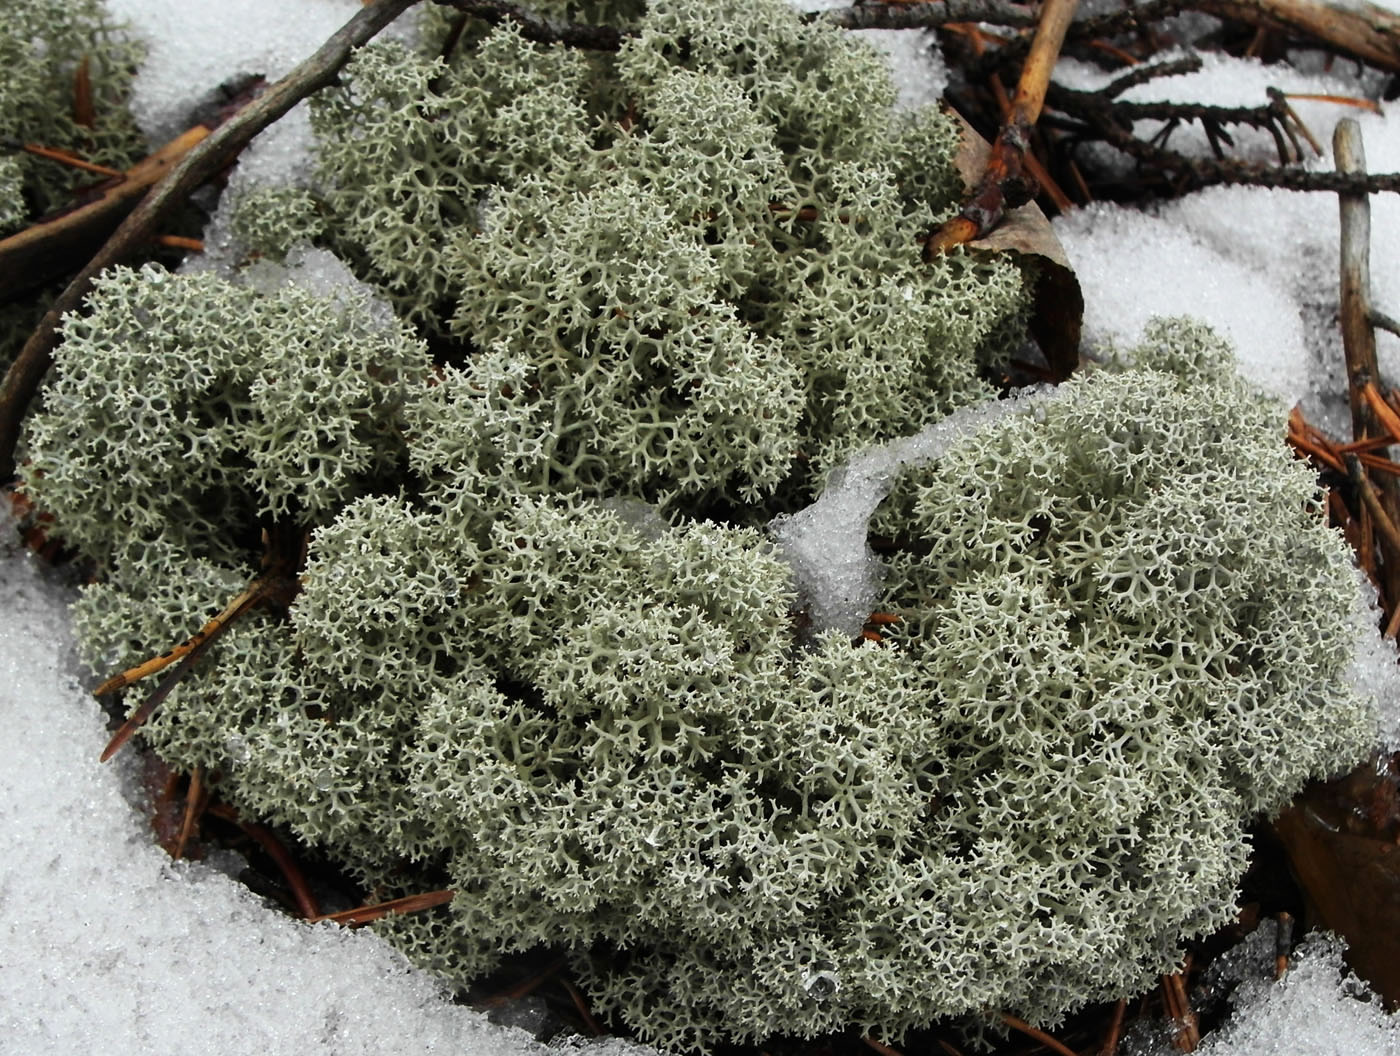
(47, 249)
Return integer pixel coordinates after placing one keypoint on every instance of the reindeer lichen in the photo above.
(541, 650)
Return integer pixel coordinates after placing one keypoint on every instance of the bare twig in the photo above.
(1358, 339)
(1045, 1039)
(540, 30)
(43, 250)
(1354, 27)
(1004, 167)
(1381, 321)
(927, 15)
(1385, 526)
(264, 837)
(367, 914)
(212, 154)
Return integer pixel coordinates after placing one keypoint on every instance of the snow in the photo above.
(113, 948)
(1317, 1009)
(1259, 265)
(836, 573)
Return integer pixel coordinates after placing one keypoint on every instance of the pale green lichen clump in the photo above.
(541, 654)
(702, 253)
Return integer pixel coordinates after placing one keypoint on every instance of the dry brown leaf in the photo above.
(1343, 840)
(1058, 315)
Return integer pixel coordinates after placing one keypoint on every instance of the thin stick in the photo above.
(1115, 1029)
(63, 157)
(250, 594)
(367, 914)
(880, 1046)
(195, 799)
(927, 15)
(576, 996)
(532, 27)
(1006, 163)
(1392, 626)
(1358, 339)
(1381, 321)
(211, 155)
(138, 718)
(1384, 525)
(1039, 1035)
(281, 857)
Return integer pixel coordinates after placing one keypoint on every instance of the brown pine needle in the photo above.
(1340, 100)
(1283, 945)
(949, 1048)
(1039, 1035)
(281, 857)
(180, 242)
(1370, 443)
(525, 986)
(1115, 1029)
(195, 800)
(576, 996)
(1324, 456)
(881, 1047)
(83, 113)
(882, 619)
(1389, 420)
(367, 914)
(63, 157)
(138, 718)
(1379, 463)
(1187, 1035)
(245, 598)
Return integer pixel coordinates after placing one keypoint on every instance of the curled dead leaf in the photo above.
(1058, 311)
(1343, 841)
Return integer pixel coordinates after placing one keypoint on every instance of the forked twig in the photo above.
(1007, 162)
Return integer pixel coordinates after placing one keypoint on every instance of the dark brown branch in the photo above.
(1002, 181)
(927, 15)
(1187, 174)
(541, 30)
(211, 155)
